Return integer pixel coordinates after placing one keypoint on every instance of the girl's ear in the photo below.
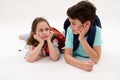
(32, 33)
(50, 28)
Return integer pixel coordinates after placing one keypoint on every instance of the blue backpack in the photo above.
(91, 32)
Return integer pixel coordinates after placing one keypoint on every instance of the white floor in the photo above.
(16, 17)
(14, 67)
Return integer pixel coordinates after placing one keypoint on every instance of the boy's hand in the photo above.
(82, 31)
(88, 66)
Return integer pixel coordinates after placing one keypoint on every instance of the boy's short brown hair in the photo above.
(82, 11)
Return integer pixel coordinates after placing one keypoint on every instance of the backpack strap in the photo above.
(75, 42)
(66, 25)
(92, 31)
(97, 22)
(91, 35)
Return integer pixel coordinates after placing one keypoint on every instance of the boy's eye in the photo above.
(73, 23)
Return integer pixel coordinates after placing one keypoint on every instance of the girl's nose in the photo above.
(44, 32)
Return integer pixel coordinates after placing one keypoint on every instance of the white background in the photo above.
(16, 17)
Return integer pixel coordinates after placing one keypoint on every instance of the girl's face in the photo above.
(43, 30)
(75, 24)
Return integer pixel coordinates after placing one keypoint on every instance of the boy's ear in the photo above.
(87, 23)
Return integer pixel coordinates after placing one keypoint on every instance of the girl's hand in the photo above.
(40, 40)
(50, 35)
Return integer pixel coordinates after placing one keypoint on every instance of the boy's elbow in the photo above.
(96, 61)
(66, 59)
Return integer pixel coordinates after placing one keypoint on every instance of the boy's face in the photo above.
(43, 30)
(75, 25)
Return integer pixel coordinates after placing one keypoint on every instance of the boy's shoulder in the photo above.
(69, 29)
(98, 28)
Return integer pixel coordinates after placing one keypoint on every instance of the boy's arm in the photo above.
(85, 65)
(94, 53)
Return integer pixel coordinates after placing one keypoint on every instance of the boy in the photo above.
(82, 16)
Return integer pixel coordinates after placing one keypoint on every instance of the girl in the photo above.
(42, 41)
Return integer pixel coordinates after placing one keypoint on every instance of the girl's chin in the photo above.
(44, 38)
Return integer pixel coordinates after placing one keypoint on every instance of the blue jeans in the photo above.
(26, 36)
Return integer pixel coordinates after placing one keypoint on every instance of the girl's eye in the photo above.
(40, 30)
(46, 29)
